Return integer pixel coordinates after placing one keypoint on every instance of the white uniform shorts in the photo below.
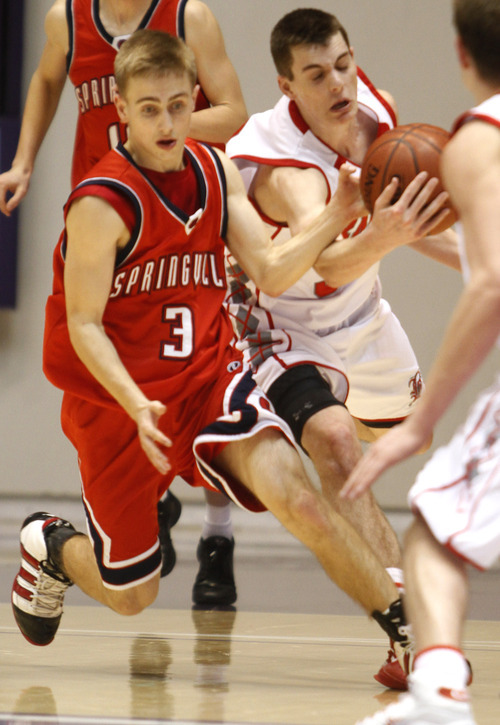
(368, 360)
(458, 491)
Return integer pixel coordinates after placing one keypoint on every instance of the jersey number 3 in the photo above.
(179, 341)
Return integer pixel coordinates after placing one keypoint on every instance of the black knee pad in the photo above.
(300, 393)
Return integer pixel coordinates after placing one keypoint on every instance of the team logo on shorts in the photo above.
(416, 385)
(233, 366)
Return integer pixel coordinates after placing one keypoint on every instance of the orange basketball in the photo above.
(403, 152)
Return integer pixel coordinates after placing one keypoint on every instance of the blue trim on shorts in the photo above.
(237, 403)
(122, 575)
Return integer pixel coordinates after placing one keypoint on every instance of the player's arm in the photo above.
(473, 181)
(391, 226)
(88, 275)
(217, 77)
(42, 100)
(441, 248)
(296, 196)
(272, 267)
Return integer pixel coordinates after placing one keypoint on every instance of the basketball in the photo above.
(403, 152)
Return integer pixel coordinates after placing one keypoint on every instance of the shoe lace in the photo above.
(48, 593)
(408, 644)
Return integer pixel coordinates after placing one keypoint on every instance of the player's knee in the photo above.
(130, 602)
(333, 448)
(306, 507)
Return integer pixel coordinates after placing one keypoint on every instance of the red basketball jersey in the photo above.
(90, 67)
(165, 312)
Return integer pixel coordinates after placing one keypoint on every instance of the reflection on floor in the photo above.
(223, 666)
(295, 651)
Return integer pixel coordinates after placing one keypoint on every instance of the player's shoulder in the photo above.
(471, 158)
(389, 99)
(56, 24)
(196, 14)
(57, 12)
(478, 135)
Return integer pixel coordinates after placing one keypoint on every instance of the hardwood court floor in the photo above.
(295, 652)
(203, 667)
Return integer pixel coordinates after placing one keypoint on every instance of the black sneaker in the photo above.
(169, 510)
(214, 583)
(40, 584)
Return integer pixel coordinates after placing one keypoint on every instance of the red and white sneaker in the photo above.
(40, 584)
(395, 670)
(394, 673)
(427, 704)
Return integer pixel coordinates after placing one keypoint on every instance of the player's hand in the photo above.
(412, 216)
(151, 438)
(348, 194)
(14, 182)
(396, 445)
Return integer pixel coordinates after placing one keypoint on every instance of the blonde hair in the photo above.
(153, 52)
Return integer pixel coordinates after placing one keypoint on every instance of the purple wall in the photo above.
(11, 55)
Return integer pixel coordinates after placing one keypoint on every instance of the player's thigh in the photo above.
(330, 438)
(268, 465)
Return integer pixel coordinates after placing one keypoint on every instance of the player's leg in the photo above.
(169, 511)
(55, 556)
(434, 577)
(436, 601)
(272, 470)
(327, 433)
(79, 564)
(214, 583)
(330, 440)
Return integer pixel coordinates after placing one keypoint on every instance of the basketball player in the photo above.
(329, 353)
(455, 497)
(82, 39)
(139, 340)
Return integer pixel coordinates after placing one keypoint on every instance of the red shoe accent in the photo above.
(391, 674)
(457, 695)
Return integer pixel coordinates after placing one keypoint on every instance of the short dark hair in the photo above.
(304, 26)
(153, 52)
(478, 24)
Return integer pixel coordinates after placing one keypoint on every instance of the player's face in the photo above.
(324, 84)
(158, 111)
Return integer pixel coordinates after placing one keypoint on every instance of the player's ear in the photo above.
(285, 86)
(120, 106)
(463, 56)
(196, 90)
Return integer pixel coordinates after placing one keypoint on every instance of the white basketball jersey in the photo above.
(488, 112)
(278, 137)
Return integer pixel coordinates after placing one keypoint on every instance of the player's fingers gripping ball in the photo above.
(403, 152)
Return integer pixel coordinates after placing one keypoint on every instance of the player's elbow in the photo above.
(272, 287)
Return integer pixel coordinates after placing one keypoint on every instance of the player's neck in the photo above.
(350, 139)
(121, 17)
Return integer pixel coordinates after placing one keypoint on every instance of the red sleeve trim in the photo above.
(119, 201)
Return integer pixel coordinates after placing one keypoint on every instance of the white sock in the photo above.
(443, 666)
(397, 577)
(217, 521)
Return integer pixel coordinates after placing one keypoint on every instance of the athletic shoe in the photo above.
(392, 674)
(214, 583)
(169, 510)
(40, 584)
(425, 704)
